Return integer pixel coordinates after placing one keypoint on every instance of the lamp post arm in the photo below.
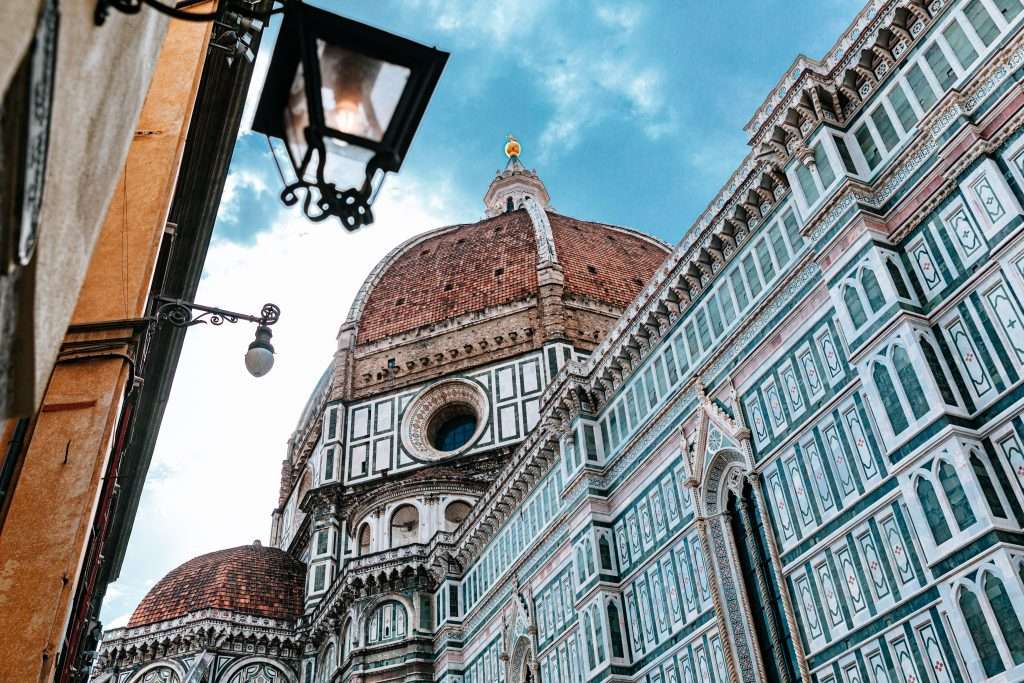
(181, 313)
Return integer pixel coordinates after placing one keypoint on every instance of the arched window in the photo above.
(326, 665)
(387, 623)
(938, 372)
(589, 641)
(933, 511)
(897, 279)
(405, 526)
(262, 671)
(509, 206)
(599, 634)
(454, 514)
(346, 640)
(956, 496)
(588, 552)
(988, 487)
(911, 384)
(890, 399)
(604, 549)
(161, 674)
(365, 538)
(1006, 616)
(977, 626)
(618, 649)
(854, 306)
(871, 290)
(581, 565)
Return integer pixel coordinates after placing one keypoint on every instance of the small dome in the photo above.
(249, 579)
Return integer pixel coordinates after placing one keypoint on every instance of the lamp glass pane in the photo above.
(296, 118)
(346, 164)
(360, 93)
(359, 96)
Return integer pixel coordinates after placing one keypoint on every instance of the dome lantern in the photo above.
(514, 184)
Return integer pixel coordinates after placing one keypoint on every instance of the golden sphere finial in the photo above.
(512, 146)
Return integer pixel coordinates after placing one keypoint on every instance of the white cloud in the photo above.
(586, 88)
(224, 433)
(623, 17)
(238, 180)
(118, 622)
(588, 74)
(492, 24)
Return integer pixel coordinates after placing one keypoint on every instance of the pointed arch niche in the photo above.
(724, 471)
(749, 604)
(522, 665)
(518, 637)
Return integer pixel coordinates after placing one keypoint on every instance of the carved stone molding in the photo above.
(430, 404)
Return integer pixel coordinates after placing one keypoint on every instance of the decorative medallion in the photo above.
(445, 420)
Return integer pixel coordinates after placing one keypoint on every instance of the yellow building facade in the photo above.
(69, 500)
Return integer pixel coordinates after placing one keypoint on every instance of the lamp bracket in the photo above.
(323, 199)
(181, 313)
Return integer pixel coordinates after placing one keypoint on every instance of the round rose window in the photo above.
(445, 419)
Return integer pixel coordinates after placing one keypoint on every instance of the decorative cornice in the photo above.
(457, 324)
(206, 624)
(842, 66)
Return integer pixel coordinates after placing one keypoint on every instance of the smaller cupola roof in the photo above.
(514, 184)
(250, 579)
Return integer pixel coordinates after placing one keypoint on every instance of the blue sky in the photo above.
(632, 114)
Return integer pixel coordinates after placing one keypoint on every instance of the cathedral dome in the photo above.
(467, 269)
(249, 579)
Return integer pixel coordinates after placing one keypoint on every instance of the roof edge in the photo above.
(358, 303)
(632, 232)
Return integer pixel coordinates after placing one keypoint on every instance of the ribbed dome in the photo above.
(468, 268)
(250, 579)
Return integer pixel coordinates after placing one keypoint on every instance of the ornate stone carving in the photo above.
(431, 403)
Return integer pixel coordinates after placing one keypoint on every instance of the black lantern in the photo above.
(345, 99)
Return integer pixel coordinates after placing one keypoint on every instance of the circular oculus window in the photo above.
(444, 420)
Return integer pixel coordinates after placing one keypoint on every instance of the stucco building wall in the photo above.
(102, 76)
(48, 523)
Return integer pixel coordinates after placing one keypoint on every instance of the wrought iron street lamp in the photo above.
(259, 359)
(345, 99)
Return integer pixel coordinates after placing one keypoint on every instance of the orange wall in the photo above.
(47, 526)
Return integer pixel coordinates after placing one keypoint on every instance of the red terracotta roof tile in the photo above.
(603, 262)
(451, 274)
(493, 262)
(250, 579)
